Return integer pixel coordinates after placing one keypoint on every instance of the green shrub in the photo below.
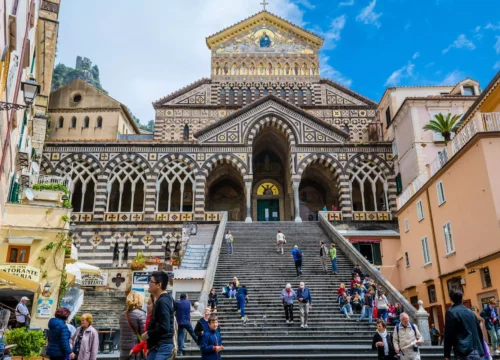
(53, 187)
(29, 343)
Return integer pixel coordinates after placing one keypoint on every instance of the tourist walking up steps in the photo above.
(462, 331)
(406, 339)
(280, 241)
(368, 307)
(132, 324)
(183, 316)
(85, 341)
(305, 303)
(297, 255)
(333, 258)
(202, 325)
(211, 343)
(213, 300)
(229, 242)
(241, 297)
(382, 342)
(324, 254)
(142, 347)
(287, 296)
(381, 302)
(161, 328)
(490, 316)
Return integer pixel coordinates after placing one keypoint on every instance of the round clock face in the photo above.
(267, 189)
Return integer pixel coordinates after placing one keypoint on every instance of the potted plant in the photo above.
(50, 192)
(29, 343)
(176, 261)
(138, 262)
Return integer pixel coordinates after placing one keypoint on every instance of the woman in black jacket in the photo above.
(382, 341)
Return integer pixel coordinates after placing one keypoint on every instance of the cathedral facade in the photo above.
(264, 138)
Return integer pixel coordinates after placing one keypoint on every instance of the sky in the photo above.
(148, 49)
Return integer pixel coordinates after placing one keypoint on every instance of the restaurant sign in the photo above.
(23, 271)
(95, 280)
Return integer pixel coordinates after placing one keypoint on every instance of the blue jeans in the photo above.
(367, 313)
(382, 314)
(229, 247)
(346, 309)
(160, 352)
(240, 299)
(181, 335)
(334, 265)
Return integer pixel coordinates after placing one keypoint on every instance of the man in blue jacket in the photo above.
(211, 343)
(241, 297)
(490, 316)
(297, 258)
(305, 303)
(183, 316)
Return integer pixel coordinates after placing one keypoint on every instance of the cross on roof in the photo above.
(264, 3)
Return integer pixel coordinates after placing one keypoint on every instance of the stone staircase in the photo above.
(198, 250)
(265, 273)
(105, 307)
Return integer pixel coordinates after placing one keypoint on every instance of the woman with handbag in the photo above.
(132, 324)
(142, 347)
(85, 341)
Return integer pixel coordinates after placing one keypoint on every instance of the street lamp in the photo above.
(30, 89)
(72, 226)
(46, 290)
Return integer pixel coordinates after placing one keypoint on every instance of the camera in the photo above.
(415, 348)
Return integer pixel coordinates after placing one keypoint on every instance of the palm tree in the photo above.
(443, 125)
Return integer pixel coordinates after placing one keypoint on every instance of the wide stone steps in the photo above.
(265, 273)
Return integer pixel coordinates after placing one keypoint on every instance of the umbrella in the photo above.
(125, 252)
(79, 268)
(115, 252)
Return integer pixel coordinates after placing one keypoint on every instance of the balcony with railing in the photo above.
(481, 123)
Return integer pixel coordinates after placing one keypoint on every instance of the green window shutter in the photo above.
(377, 255)
(399, 184)
(14, 191)
(356, 246)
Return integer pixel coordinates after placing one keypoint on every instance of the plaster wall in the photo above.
(111, 125)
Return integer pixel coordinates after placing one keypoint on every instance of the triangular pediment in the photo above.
(197, 93)
(336, 94)
(300, 127)
(257, 21)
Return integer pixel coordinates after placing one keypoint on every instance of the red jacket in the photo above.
(142, 346)
(340, 291)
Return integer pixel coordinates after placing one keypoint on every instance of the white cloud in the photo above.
(490, 26)
(496, 66)
(329, 72)
(306, 3)
(453, 78)
(459, 43)
(497, 45)
(477, 29)
(404, 72)
(165, 53)
(369, 16)
(346, 3)
(332, 35)
(407, 26)
(416, 55)
(432, 63)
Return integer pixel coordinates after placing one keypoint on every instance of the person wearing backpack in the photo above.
(297, 258)
(406, 339)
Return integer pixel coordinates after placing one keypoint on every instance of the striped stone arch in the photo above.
(386, 169)
(62, 166)
(176, 157)
(143, 163)
(325, 159)
(46, 167)
(219, 159)
(271, 121)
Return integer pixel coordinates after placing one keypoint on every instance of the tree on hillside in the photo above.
(443, 125)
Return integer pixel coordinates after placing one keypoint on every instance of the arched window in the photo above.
(73, 122)
(300, 97)
(257, 94)
(283, 94)
(266, 92)
(186, 132)
(60, 123)
(174, 188)
(99, 122)
(291, 96)
(240, 97)
(368, 187)
(222, 97)
(249, 96)
(86, 122)
(308, 97)
(82, 188)
(231, 96)
(275, 92)
(126, 188)
(346, 128)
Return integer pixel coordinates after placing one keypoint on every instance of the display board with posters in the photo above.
(43, 307)
(140, 283)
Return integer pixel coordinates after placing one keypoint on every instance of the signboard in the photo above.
(44, 305)
(23, 271)
(141, 278)
(95, 280)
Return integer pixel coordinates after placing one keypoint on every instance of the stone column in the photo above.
(248, 193)
(423, 323)
(295, 186)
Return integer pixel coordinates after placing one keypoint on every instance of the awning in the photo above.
(79, 268)
(11, 281)
(365, 240)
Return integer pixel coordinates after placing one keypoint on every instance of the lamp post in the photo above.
(30, 89)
